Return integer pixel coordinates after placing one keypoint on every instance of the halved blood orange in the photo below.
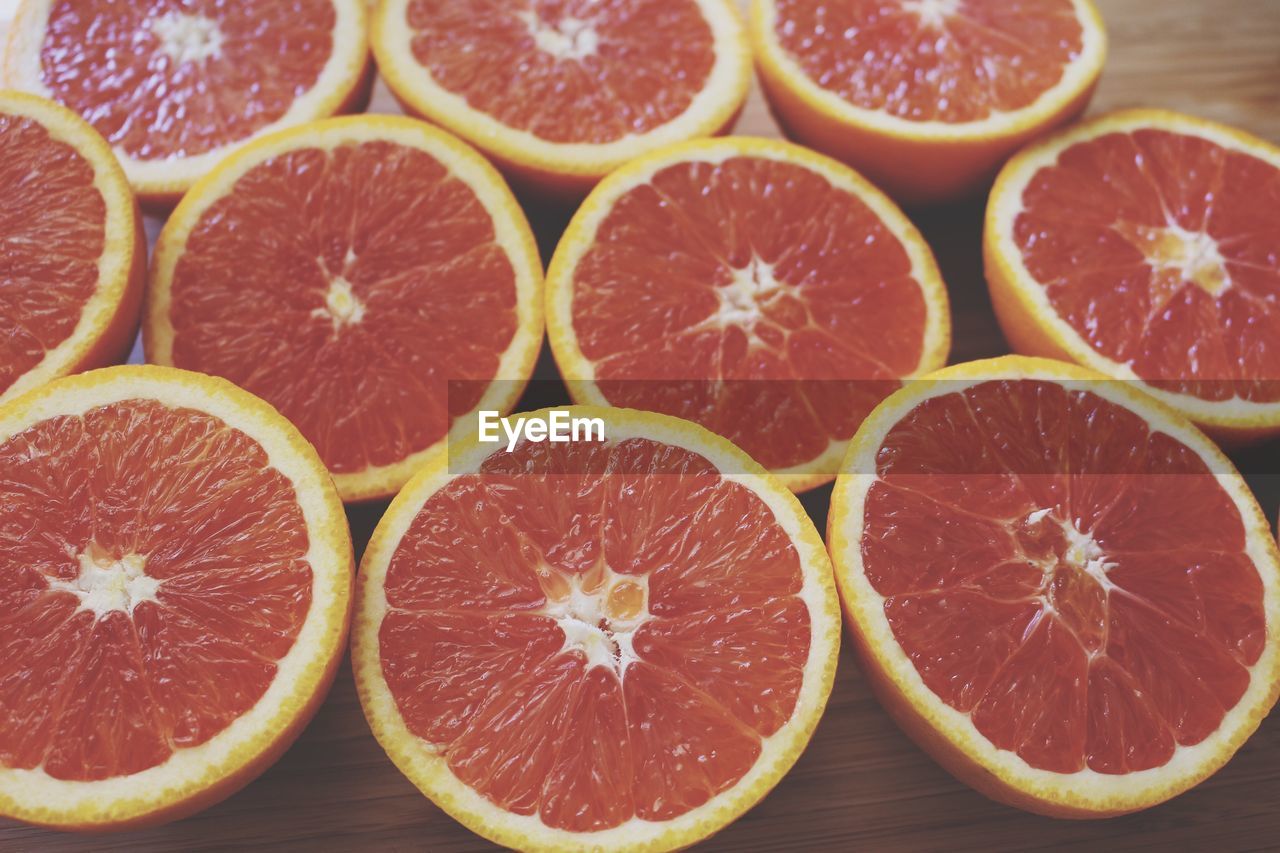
(175, 86)
(371, 277)
(74, 254)
(926, 97)
(560, 94)
(1057, 585)
(175, 572)
(599, 644)
(1146, 245)
(764, 291)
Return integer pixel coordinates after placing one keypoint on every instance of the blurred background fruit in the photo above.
(73, 254)
(926, 97)
(560, 94)
(175, 87)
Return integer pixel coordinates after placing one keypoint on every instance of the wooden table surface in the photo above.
(861, 784)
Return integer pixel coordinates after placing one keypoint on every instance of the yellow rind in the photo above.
(511, 230)
(234, 756)
(945, 733)
(553, 169)
(429, 771)
(917, 162)
(1026, 316)
(343, 85)
(109, 319)
(578, 371)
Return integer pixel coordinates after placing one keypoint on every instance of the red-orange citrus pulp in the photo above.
(52, 235)
(945, 61)
(163, 79)
(575, 71)
(575, 650)
(1073, 580)
(347, 286)
(754, 296)
(154, 573)
(1162, 251)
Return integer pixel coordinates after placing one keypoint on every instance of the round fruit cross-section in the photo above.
(174, 86)
(74, 255)
(764, 291)
(617, 643)
(1146, 245)
(1057, 585)
(175, 572)
(560, 94)
(926, 97)
(371, 277)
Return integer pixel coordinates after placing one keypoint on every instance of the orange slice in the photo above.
(176, 584)
(1146, 245)
(764, 291)
(926, 97)
(73, 248)
(1057, 585)
(371, 277)
(618, 644)
(175, 87)
(561, 94)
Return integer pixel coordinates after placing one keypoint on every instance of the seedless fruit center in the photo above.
(1177, 255)
(1075, 586)
(187, 38)
(107, 583)
(599, 613)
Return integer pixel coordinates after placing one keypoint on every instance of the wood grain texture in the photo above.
(861, 784)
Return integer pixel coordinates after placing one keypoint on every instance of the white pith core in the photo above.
(340, 304)
(187, 38)
(591, 611)
(933, 13)
(1082, 550)
(107, 583)
(744, 298)
(1190, 255)
(569, 38)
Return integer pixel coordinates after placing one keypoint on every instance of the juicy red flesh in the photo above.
(89, 696)
(1162, 250)
(431, 297)
(982, 58)
(480, 669)
(107, 61)
(1074, 581)
(52, 234)
(750, 296)
(589, 71)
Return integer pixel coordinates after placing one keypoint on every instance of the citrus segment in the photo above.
(945, 36)
(549, 71)
(370, 277)
(177, 584)
(620, 643)
(926, 97)
(1060, 587)
(559, 94)
(173, 87)
(746, 285)
(1141, 244)
(74, 256)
